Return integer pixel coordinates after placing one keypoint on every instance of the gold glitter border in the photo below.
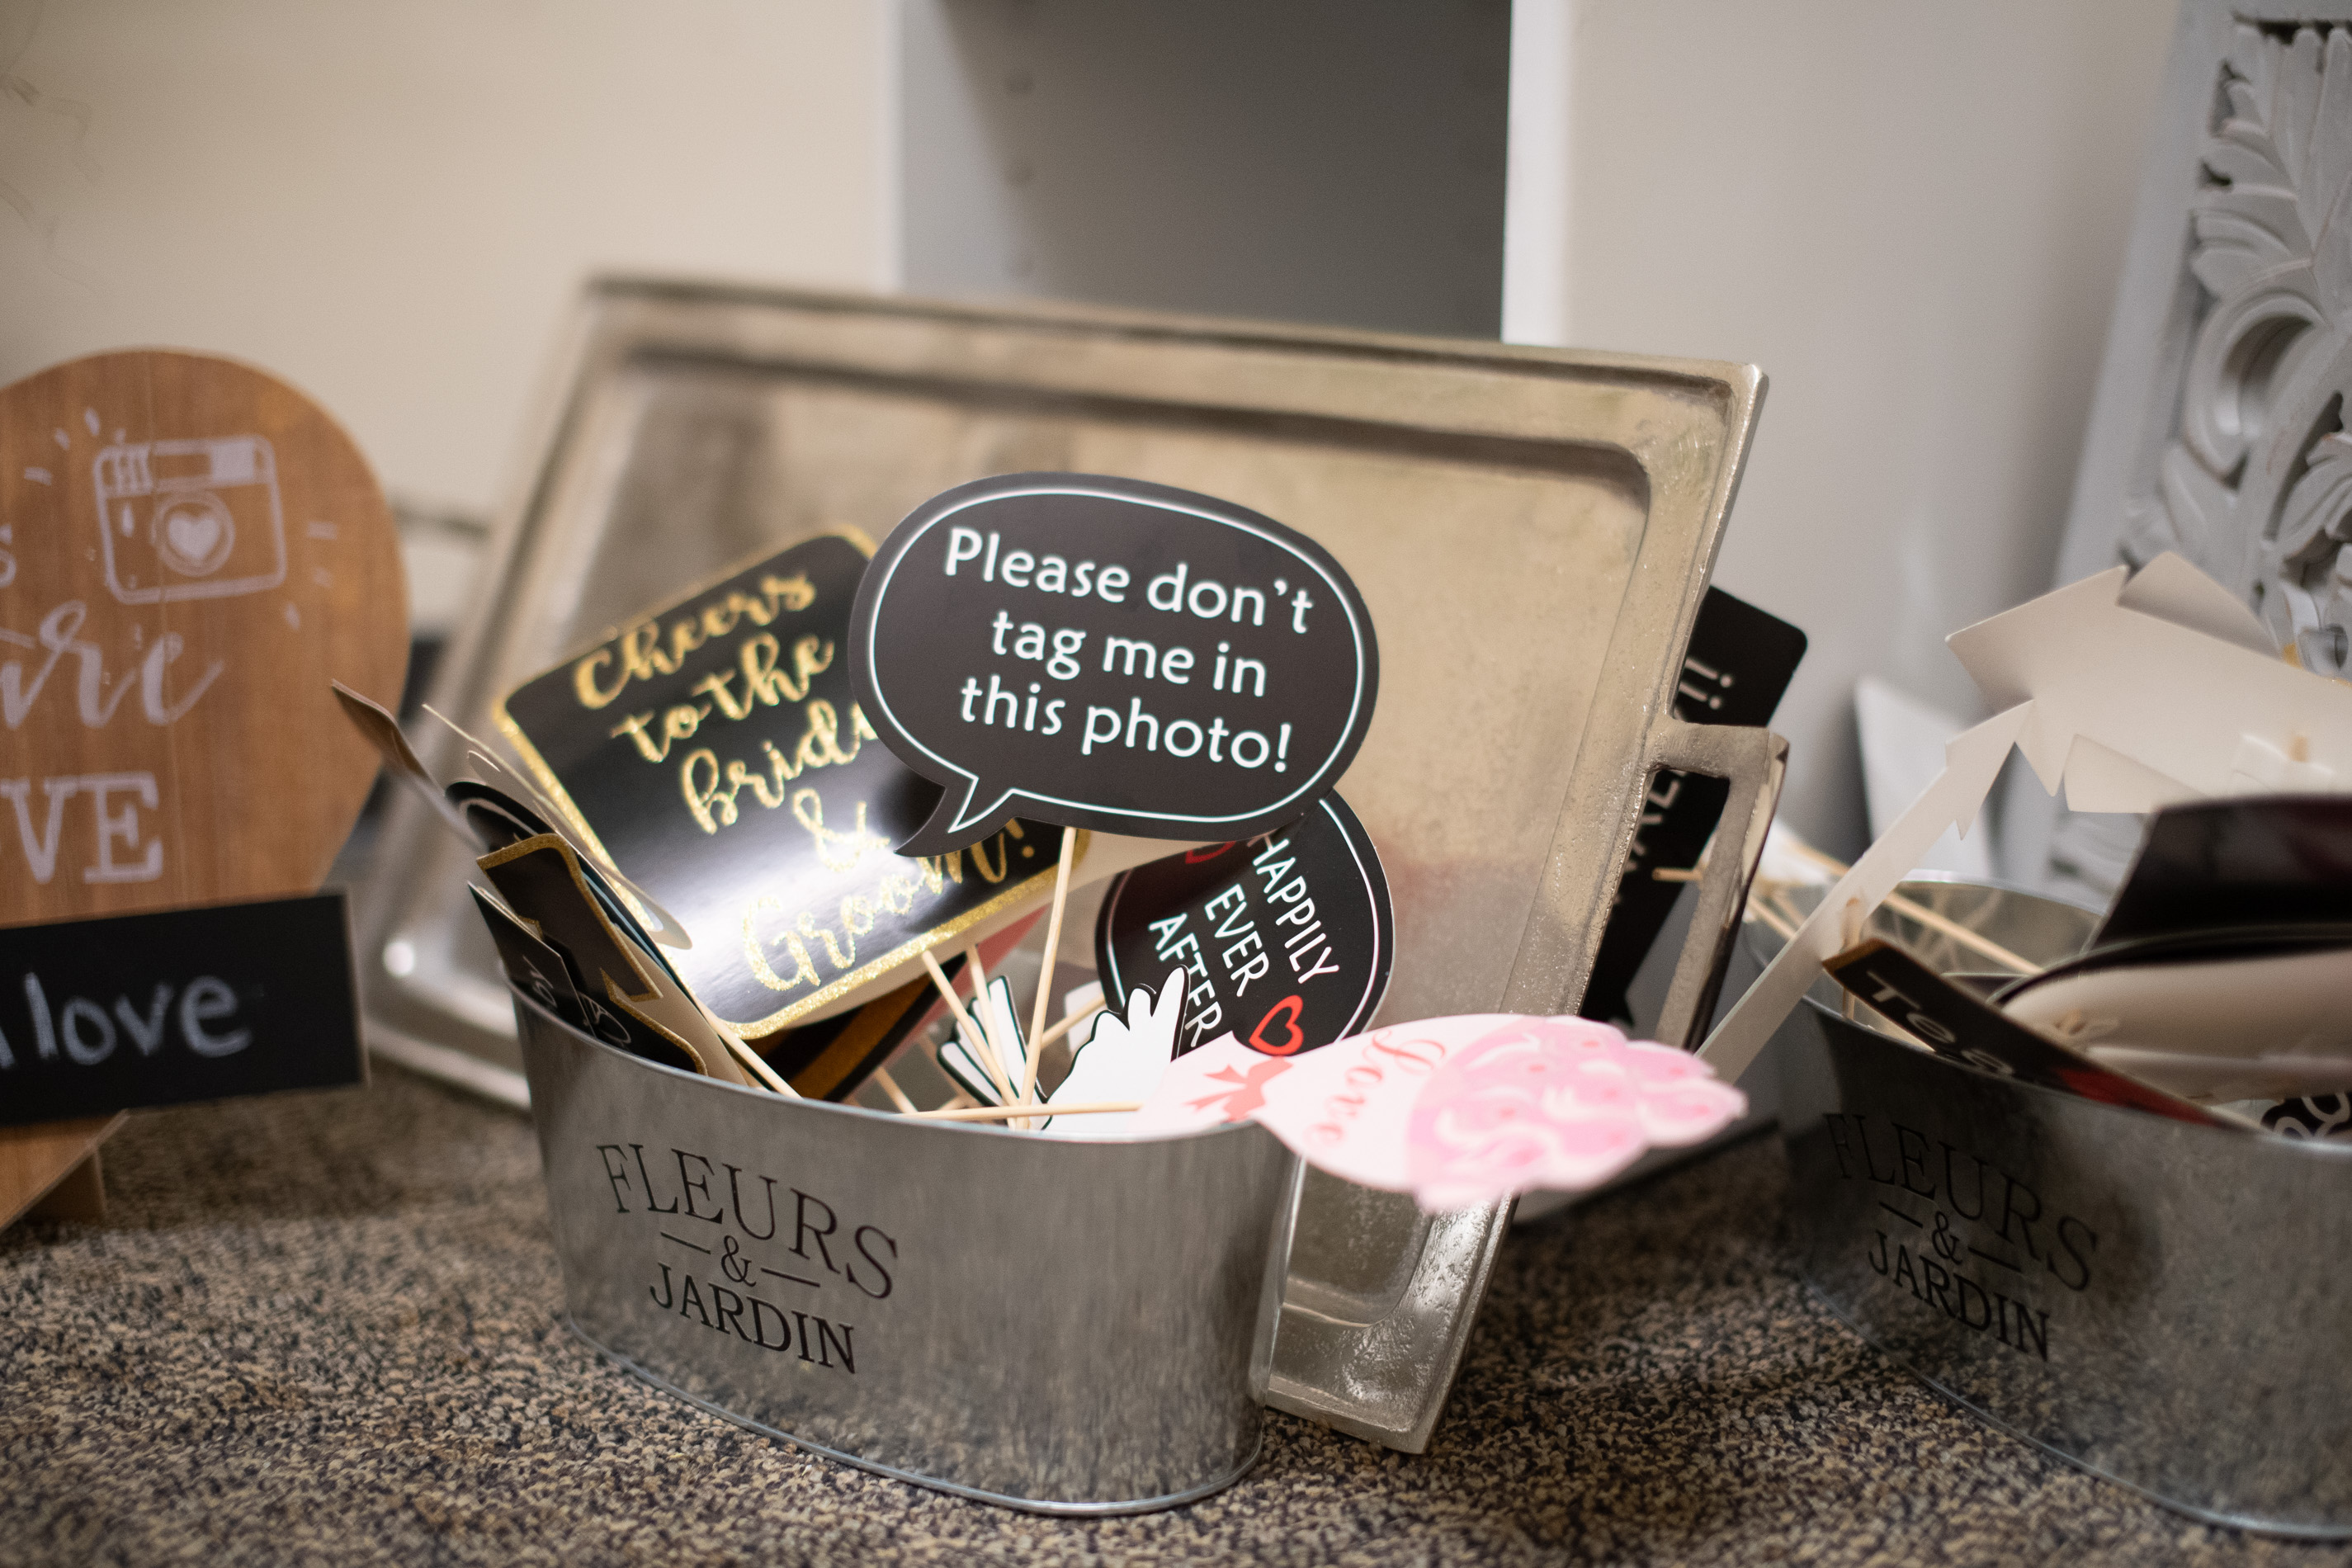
(906, 952)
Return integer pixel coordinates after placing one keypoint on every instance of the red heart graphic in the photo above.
(1291, 1004)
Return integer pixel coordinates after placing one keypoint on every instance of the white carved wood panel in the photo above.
(2218, 430)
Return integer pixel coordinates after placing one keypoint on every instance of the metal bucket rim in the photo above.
(786, 1105)
(2319, 1148)
(2316, 1148)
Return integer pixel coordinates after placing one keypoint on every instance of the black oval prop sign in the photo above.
(1285, 940)
(1109, 654)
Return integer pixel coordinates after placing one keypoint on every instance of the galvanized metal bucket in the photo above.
(1067, 1326)
(2159, 1303)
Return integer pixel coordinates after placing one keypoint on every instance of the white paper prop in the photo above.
(1457, 1112)
(975, 1065)
(2108, 694)
(2218, 1027)
(1122, 1060)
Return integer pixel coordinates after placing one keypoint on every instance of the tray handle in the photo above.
(1386, 1380)
(1755, 762)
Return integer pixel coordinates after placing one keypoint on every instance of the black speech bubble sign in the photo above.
(1109, 654)
(1287, 940)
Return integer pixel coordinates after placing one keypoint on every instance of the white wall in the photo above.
(1913, 217)
(393, 203)
(1328, 161)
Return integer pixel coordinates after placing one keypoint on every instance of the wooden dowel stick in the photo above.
(1975, 942)
(1850, 927)
(1045, 963)
(1066, 1025)
(1787, 907)
(984, 1009)
(996, 1013)
(757, 1064)
(1763, 909)
(1007, 1112)
(890, 1087)
(955, 1002)
(972, 1031)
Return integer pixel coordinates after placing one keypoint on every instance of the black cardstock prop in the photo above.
(186, 1005)
(2218, 865)
(1957, 1024)
(488, 815)
(1740, 662)
(1108, 653)
(714, 751)
(833, 1058)
(541, 881)
(496, 819)
(1285, 940)
(537, 970)
(547, 974)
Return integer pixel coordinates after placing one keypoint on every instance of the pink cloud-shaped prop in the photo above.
(1458, 1111)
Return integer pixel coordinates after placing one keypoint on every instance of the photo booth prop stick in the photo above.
(1005, 624)
(1123, 1060)
(2220, 970)
(540, 879)
(1119, 1064)
(1047, 955)
(486, 815)
(1459, 1111)
(2228, 865)
(2213, 1016)
(714, 748)
(988, 1057)
(1952, 1023)
(1740, 661)
(2127, 708)
(1157, 663)
(186, 546)
(1288, 939)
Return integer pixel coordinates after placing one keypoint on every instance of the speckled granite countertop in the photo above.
(322, 1328)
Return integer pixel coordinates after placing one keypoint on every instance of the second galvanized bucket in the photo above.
(1069, 1326)
(2158, 1302)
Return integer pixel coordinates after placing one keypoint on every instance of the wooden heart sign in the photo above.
(189, 552)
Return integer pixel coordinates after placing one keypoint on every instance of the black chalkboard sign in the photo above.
(107, 1014)
(1111, 654)
(714, 748)
(1287, 940)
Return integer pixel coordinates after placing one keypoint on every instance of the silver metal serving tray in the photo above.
(1533, 531)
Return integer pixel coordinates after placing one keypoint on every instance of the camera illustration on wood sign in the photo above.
(190, 520)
